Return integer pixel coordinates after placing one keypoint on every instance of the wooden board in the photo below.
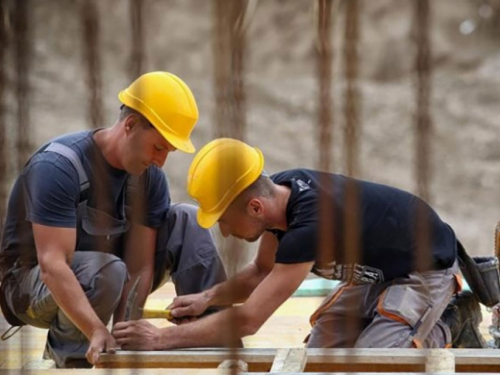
(183, 372)
(318, 360)
(290, 360)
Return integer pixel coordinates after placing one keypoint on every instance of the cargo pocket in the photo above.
(406, 304)
(100, 231)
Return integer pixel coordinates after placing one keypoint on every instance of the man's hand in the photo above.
(100, 341)
(188, 306)
(137, 335)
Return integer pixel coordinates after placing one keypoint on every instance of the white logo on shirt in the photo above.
(302, 185)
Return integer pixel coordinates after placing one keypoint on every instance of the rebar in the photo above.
(423, 131)
(90, 36)
(3, 125)
(22, 62)
(229, 63)
(137, 55)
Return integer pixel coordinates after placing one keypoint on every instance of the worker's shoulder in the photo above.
(49, 167)
(80, 144)
(294, 174)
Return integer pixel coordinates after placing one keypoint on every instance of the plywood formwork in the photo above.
(318, 360)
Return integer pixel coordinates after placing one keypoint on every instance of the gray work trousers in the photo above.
(403, 313)
(185, 252)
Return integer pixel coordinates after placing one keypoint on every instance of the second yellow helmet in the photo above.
(220, 171)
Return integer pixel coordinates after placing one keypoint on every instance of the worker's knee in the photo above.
(112, 277)
(105, 287)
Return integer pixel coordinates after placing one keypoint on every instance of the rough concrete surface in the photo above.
(282, 90)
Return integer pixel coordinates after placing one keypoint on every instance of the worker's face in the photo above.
(246, 223)
(144, 146)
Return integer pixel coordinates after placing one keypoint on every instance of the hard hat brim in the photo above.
(207, 220)
(180, 144)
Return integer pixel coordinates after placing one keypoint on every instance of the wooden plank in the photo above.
(290, 360)
(257, 359)
(235, 365)
(318, 360)
(125, 372)
(187, 372)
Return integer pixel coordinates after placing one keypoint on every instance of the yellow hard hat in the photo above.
(220, 171)
(168, 104)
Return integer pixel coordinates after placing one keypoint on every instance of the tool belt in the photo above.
(482, 275)
(7, 313)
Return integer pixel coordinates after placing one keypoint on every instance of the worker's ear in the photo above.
(255, 207)
(131, 122)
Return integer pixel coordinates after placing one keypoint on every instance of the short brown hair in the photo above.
(262, 187)
(127, 111)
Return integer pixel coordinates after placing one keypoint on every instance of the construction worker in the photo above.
(393, 304)
(91, 212)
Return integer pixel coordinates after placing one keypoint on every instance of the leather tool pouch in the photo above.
(7, 313)
(482, 275)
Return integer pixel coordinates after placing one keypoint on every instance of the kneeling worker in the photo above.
(396, 301)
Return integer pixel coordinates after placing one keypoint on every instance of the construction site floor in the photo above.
(285, 329)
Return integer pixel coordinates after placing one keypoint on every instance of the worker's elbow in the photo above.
(250, 329)
(49, 270)
(249, 323)
(46, 274)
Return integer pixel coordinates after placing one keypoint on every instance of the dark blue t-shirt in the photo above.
(48, 192)
(383, 228)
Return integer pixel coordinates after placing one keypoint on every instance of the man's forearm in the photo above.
(238, 288)
(70, 298)
(224, 328)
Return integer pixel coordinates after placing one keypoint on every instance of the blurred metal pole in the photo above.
(22, 63)
(137, 55)
(423, 129)
(494, 328)
(423, 121)
(91, 47)
(3, 125)
(229, 58)
(89, 16)
(353, 219)
(230, 111)
(136, 12)
(324, 61)
(351, 94)
(327, 252)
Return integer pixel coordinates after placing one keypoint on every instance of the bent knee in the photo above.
(113, 274)
(107, 285)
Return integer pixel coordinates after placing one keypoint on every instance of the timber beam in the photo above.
(316, 360)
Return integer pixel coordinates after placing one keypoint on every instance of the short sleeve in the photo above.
(52, 190)
(298, 245)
